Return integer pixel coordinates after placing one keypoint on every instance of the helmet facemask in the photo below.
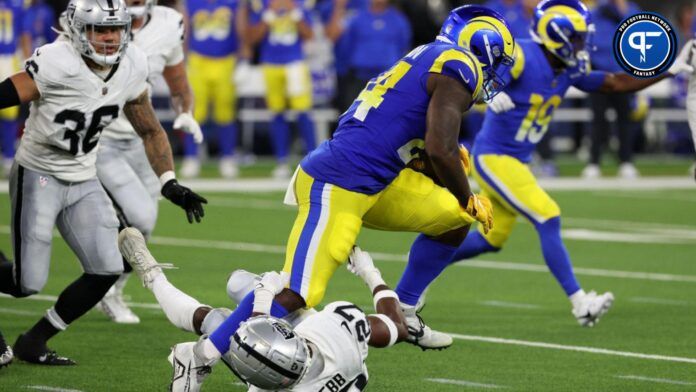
(98, 34)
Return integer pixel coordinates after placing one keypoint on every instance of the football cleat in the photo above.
(114, 305)
(132, 245)
(281, 172)
(423, 336)
(591, 307)
(34, 351)
(228, 168)
(190, 168)
(189, 370)
(6, 354)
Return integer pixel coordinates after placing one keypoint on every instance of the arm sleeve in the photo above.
(591, 81)
(459, 66)
(8, 94)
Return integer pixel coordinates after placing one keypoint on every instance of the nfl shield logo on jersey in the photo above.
(43, 180)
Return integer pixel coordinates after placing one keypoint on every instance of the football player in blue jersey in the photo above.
(545, 67)
(360, 176)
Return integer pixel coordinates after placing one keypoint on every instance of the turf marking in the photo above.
(513, 305)
(643, 196)
(659, 301)
(623, 237)
(464, 383)
(658, 380)
(582, 349)
(53, 298)
(484, 264)
(51, 389)
(18, 312)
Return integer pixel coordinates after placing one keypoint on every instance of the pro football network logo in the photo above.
(645, 45)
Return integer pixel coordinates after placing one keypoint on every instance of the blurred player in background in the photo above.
(518, 14)
(360, 176)
(323, 350)
(122, 165)
(378, 36)
(606, 16)
(279, 27)
(213, 44)
(38, 23)
(11, 15)
(517, 119)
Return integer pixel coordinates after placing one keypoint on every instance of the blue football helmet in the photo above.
(486, 35)
(565, 29)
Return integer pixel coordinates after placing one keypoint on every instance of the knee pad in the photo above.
(213, 320)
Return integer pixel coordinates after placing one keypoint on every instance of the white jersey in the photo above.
(62, 132)
(161, 39)
(340, 332)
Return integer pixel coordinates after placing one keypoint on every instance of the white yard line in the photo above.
(621, 237)
(53, 298)
(645, 196)
(582, 349)
(19, 312)
(659, 301)
(50, 389)
(464, 383)
(512, 305)
(657, 380)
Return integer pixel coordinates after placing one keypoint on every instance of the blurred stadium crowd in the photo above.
(263, 71)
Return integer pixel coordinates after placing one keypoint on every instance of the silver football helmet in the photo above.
(85, 17)
(266, 353)
(140, 8)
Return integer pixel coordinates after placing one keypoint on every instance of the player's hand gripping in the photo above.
(188, 124)
(480, 208)
(360, 264)
(501, 103)
(185, 198)
(684, 63)
(267, 287)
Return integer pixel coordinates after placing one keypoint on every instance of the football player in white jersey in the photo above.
(325, 349)
(76, 87)
(122, 165)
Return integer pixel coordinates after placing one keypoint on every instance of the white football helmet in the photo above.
(84, 16)
(140, 8)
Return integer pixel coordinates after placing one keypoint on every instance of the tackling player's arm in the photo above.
(142, 116)
(18, 89)
(448, 100)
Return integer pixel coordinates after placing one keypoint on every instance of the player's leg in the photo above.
(36, 203)
(274, 77)
(198, 73)
(300, 97)
(224, 105)
(515, 186)
(413, 202)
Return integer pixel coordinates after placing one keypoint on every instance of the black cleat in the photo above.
(34, 351)
(6, 354)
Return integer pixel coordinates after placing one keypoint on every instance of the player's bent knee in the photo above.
(342, 238)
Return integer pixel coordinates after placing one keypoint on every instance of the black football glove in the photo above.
(185, 198)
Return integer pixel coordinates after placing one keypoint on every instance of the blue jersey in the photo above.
(385, 127)
(537, 90)
(11, 14)
(282, 43)
(213, 28)
(38, 20)
(515, 15)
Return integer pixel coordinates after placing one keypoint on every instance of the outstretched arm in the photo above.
(18, 89)
(388, 326)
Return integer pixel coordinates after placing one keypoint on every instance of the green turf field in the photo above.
(638, 244)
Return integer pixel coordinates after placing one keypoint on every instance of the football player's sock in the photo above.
(190, 147)
(227, 138)
(77, 299)
(280, 135)
(221, 336)
(306, 125)
(474, 244)
(8, 137)
(556, 255)
(178, 306)
(426, 260)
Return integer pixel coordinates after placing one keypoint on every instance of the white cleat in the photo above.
(189, 370)
(421, 335)
(228, 168)
(132, 245)
(114, 306)
(591, 172)
(190, 168)
(281, 172)
(628, 171)
(591, 307)
(6, 355)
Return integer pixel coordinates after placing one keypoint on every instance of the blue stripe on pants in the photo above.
(310, 226)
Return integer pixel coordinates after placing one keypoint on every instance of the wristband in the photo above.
(393, 331)
(166, 177)
(384, 294)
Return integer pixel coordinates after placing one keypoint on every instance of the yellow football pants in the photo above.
(329, 221)
(288, 85)
(212, 85)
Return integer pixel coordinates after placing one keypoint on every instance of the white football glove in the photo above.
(267, 287)
(684, 63)
(360, 264)
(188, 124)
(501, 103)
